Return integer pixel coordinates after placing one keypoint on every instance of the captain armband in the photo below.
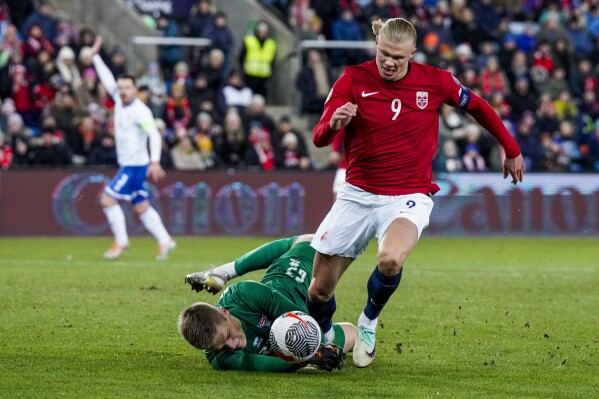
(464, 97)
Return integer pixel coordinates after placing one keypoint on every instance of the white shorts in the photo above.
(357, 216)
(339, 180)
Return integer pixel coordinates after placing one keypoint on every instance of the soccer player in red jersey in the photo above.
(389, 109)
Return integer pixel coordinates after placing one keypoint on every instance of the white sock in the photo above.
(116, 220)
(227, 268)
(152, 222)
(366, 322)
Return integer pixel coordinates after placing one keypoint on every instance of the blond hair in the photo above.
(198, 323)
(395, 29)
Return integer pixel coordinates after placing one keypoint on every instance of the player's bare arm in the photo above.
(97, 45)
(343, 115)
(515, 168)
(155, 171)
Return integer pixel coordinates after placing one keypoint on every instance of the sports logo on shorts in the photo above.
(422, 99)
(324, 236)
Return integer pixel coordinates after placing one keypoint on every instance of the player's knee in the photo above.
(106, 200)
(318, 293)
(141, 207)
(390, 263)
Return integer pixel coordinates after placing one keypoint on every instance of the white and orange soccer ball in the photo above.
(295, 336)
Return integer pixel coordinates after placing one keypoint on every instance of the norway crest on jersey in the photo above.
(422, 99)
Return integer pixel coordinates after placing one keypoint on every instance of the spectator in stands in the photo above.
(519, 68)
(85, 58)
(67, 67)
(556, 84)
(257, 56)
(314, 83)
(50, 151)
(83, 139)
(486, 51)
(181, 75)
(199, 93)
(204, 127)
(547, 120)
(185, 156)
(522, 99)
(506, 53)
(593, 150)
(200, 23)
(565, 107)
(154, 81)
(543, 57)
(289, 156)
(49, 123)
(222, 39)
(214, 70)
(6, 110)
(235, 93)
(583, 78)
(487, 16)
(452, 124)
(44, 18)
(21, 155)
(204, 142)
(570, 158)
(43, 91)
(87, 37)
(260, 152)
(34, 43)
(472, 159)
(347, 28)
(464, 58)
(589, 105)
(284, 128)
(256, 112)
(430, 48)
(11, 43)
(492, 79)
(448, 160)
(90, 91)
(6, 152)
(200, 19)
(527, 39)
(117, 61)
(439, 25)
(169, 54)
(178, 111)
(527, 138)
(65, 110)
(563, 56)
(466, 29)
(103, 151)
(235, 139)
(21, 93)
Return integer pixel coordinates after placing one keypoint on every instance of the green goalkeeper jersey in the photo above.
(283, 288)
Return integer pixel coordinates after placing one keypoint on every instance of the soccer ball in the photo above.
(294, 336)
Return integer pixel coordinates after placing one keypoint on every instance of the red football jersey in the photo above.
(391, 142)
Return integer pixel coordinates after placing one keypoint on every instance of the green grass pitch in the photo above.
(473, 318)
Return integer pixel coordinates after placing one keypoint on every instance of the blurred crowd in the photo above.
(534, 61)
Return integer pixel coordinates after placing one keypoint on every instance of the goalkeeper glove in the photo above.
(328, 357)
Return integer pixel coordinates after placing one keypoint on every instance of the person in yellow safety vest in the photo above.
(257, 57)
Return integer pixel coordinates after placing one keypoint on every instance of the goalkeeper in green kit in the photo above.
(234, 333)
